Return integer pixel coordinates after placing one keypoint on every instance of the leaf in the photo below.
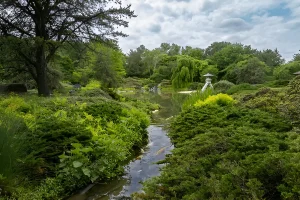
(86, 150)
(77, 164)
(76, 145)
(86, 172)
(94, 178)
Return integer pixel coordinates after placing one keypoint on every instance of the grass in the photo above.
(9, 127)
(196, 96)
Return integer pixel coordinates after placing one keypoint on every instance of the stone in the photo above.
(13, 87)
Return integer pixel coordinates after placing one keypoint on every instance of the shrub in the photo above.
(238, 88)
(291, 106)
(196, 86)
(51, 137)
(93, 84)
(110, 111)
(58, 145)
(94, 93)
(265, 99)
(219, 99)
(10, 129)
(196, 96)
(222, 86)
(277, 83)
(228, 153)
(285, 72)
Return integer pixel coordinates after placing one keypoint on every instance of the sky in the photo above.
(263, 24)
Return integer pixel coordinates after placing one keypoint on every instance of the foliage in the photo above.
(196, 53)
(134, 65)
(34, 22)
(228, 152)
(10, 128)
(222, 86)
(230, 54)
(296, 57)
(62, 144)
(251, 71)
(219, 99)
(97, 92)
(183, 73)
(270, 58)
(189, 69)
(285, 72)
(196, 96)
(277, 83)
(163, 68)
(238, 88)
(215, 48)
(196, 86)
(106, 63)
(93, 84)
(265, 99)
(291, 106)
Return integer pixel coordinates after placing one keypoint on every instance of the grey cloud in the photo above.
(169, 12)
(145, 7)
(198, 23)
(155, 28)
(209, 5)
(234, 24)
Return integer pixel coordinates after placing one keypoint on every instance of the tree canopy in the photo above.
(45, 25)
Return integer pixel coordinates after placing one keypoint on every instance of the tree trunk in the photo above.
(41, 71)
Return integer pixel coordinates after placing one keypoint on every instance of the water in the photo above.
(144, 166)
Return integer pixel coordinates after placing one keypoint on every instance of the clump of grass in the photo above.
(196, 96)
(9, 126)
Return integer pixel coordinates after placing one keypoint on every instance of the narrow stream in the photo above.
(144, 166)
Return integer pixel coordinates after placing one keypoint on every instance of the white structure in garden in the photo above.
(207, 81)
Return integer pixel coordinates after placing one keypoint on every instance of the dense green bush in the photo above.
(238, 88)
(291, 106)
(277, 83)
(95, 93)
(228, 152)
(265, 99)
(65, 144)
(110, 111)
(196, 86)
(251, 71)
(219, 99)
(222, 86)
(51, 137)
(285, 72)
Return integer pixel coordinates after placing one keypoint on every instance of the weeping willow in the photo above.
(188, 70)
(184, 72)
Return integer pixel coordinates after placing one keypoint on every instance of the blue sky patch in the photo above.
(280, 10)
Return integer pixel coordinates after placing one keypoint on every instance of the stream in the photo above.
(144, 166)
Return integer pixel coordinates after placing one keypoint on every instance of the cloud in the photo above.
(155, 28)
(234, 24)
(261, 24)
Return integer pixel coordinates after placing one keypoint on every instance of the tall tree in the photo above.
(196, 53)
(214, 48)
(47, 24)
(296, 57)
(134, 63)
(270, 57)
